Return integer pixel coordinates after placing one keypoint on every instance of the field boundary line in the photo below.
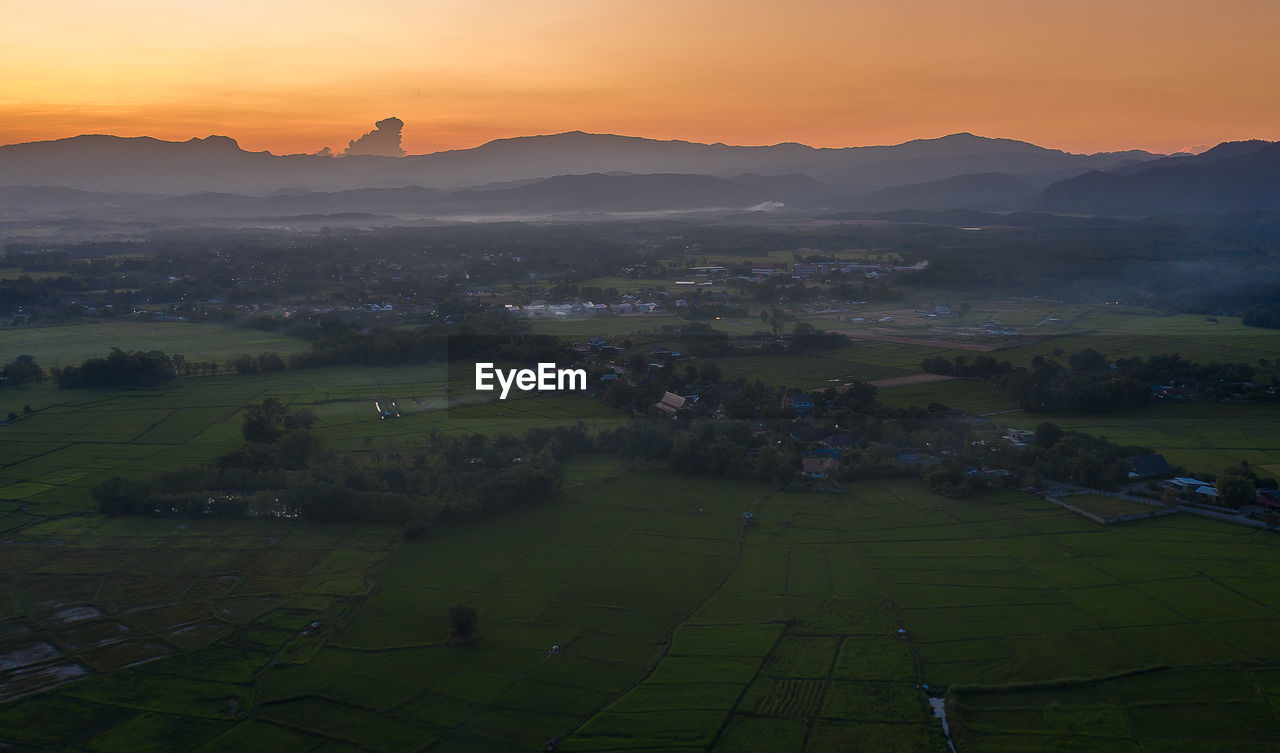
(670, 636)
(450, 734)
(745, 687)
(46, 452)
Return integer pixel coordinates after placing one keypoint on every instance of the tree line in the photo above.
(1090, 382)
(282, 471)
(119, 369)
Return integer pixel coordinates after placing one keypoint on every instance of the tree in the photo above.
(121, 496)
(1087, 360)
(299, 418)
(21, 370)
(262, 423)
(462, 623)
(270, 362)
(296, 449)
(1047, 434)
(1234, 489)
(243, 364)
(118, 370)
(775, 321)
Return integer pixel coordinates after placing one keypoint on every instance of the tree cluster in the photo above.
(474, 331)
(259, 364)
(281, 472)
(1092, 383)
(21, 370)
(807, 337)
(1263, 316)
(1080, 458)
(118, 370)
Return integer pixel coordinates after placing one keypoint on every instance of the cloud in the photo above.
(383, 140)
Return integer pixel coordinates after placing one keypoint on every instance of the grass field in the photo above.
(1126, 335)
(1202, 437)
(1199, 436)
(94, 596)
(807, 372)
(1105, 506)
(75, 439)
(864, 360)
(1113, 332)
(605, 326)
(65, 345)
(816, 629)
(967, 394)
(679, 631)
(13, 273)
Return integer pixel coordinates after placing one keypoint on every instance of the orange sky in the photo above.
(291, 76)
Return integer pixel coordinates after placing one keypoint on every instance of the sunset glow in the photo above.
(1088, 75)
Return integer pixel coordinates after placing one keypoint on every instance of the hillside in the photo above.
(1233, 177)
(217, 163)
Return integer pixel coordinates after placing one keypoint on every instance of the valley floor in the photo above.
(817, 628)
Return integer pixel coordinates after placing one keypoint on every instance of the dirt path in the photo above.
(952, 344)
(903, 381)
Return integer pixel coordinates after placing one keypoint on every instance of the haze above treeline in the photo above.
(575, 174)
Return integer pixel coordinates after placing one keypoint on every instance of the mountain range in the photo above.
(573, 173)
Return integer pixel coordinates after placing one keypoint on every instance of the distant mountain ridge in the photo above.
(970, 191)
(217, 163)
(564, 194)
(574, 173)
(1231, 177)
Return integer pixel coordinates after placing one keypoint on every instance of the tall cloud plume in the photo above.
(382, 141)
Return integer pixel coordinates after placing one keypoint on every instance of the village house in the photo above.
(1185, 483)
(819, 467)
(807, 271)
(671, 403)
(912, 458)
(801, 403)
(1018, 437)
(1148, 466)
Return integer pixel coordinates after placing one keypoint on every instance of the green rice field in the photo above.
(1124, 335)
(968, 394)
(1106, 506)
(634, 612)
(815, 629)
(70, 344)
(1198, 436)
(76, 439)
